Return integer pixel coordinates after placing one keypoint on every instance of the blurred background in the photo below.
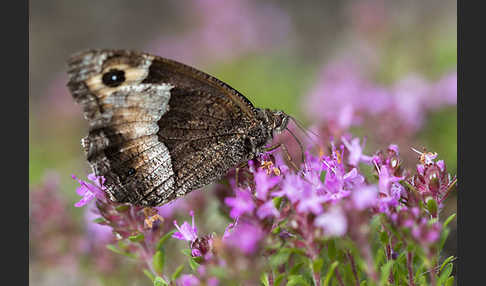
(382, 69)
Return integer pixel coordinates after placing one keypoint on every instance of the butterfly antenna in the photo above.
(306, 131)
(300, 144)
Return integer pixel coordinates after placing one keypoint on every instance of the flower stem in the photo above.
(353, 267)
(410, 269)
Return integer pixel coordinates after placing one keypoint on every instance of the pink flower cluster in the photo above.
(350, 98)
(328, 196)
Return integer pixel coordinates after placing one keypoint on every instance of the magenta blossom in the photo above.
(263, 183)
(291, 188)
(355, 152)
(365, 197)
(268, 209)
(90, 191)
(390, 191)
(310, 201)
(333, 222)
(337, 181)
(187, 280)
(185, 231)
(244, 236)
(242, 203)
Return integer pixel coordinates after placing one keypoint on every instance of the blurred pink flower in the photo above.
(226, 29)
(241, 203)
(365, 197)
(355, 152)
(343, 97)
(444, 91)
(244, 236)
(187, 280)
(333, 222)
(267, 209)
(263, 183)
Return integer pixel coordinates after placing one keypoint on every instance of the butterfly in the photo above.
(159, 129)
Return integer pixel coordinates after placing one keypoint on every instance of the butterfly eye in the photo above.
(113, 78)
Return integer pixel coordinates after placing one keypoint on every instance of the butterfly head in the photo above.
(275, 121)
(280, 121)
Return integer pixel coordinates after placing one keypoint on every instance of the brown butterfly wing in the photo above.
(166, 130)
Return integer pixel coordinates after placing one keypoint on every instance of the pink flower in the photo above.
(310, 201)
(267, 209)
(333, 222)
(242, 203)
(365, 197)
(291, 188)
(355, 152)
(390, 190)
(187, 280)
(263, 183)
(337, 181)
(90, 191)
(244, 236)
(185, 231)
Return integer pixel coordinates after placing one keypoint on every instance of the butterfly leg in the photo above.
(286, 152)
(237, 171)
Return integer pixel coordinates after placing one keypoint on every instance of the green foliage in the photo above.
(330, 273)
(159, 281)
(159, 261)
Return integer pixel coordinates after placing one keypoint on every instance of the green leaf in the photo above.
(193, 264)
(264, 279)
(177, 272)
(323, 176)
(122, 208)
(431, 205)
(119, 251)
(159, 281)
(450, 281)
(187, 252)
(447, 260)
(331, 249)
(329, 274)
(443, 238)
(100, 220)
(280, 257)
(158, 261)
(149, 274)
(448, 220)
(277, 201)
(136, 238)
(280, 277)
(317, 265)
(296, 268)
(385, 272)
(384, 237)
(276, 230)
(445, 273)
(297, 280)
(164, 238)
